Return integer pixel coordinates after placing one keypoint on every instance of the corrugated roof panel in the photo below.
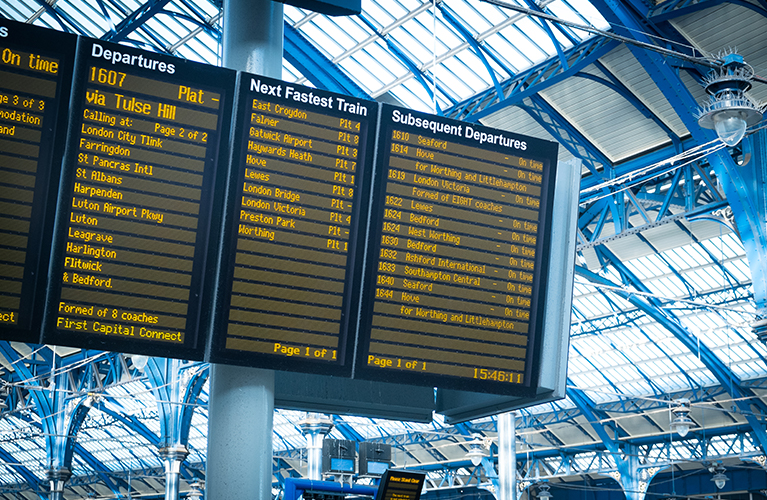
(621, 63)
(591, 107)
(730, 26)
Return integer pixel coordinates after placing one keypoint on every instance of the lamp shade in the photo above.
(730, 129)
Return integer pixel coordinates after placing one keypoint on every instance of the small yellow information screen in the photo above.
(291, 262)
(454, 284)
(35, 75)
(135, 215)
(400, 485)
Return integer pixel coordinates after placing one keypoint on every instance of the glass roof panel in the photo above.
(472, 71)
(325, 34)
(512, 58)
(471, 18)
(612, 360)
(383, 16)
(532, 40)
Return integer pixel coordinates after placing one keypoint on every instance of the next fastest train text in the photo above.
(328, 102)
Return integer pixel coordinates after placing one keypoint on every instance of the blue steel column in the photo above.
(241, 404)
(175, 407)
(755, 175)
(61, 418)
(740, 185)
(163, 375)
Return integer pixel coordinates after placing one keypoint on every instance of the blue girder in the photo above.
(532, 81)
(65, 21)
(135, 20)
(316, 67)
(453, 20)
(665, 11)
(59, 422)
(718, 369)
(399, 53)
(566, 134)
(346, 430)
(743, 187)
(175, 414)
(39, 488)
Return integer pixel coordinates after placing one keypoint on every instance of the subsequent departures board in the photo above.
(291, 263)
(455, 273)
(35, 78)
(136, 231)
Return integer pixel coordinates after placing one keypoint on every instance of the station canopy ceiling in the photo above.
(663, 302)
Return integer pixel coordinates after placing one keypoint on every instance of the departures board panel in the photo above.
(291, 263)
(137, 227)
(458, 251)
(35, 78)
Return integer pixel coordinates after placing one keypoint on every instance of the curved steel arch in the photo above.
(726, 378)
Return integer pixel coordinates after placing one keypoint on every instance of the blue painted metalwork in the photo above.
(60, 418)
(100, 469)
(133, 424)
(671, 10)
(346, 430)
(316, 67)
(105, 14)
(61, 17)
(190, 399)
(532, 81)
(566, 134)
(741, 185)
(453, 20)
(281, 466)
(547, 28)
(135, 20)
(707, 357)
(294, 488)
(34, 483)
(164, 380)
(616, 85)
(400, 54)
(754, 200)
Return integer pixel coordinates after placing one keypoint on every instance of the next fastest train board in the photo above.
(35, 76)
(136, 231)
(459, 244)
(292, 261)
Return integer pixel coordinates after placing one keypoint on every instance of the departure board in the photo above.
(35, 76)
(132, 252)
(458, 247)
(291, 264)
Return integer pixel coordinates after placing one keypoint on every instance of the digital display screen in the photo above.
(342, 465)
(291, 254)
(143, 163)
(400, 485)
(35, 76)
(455, 273)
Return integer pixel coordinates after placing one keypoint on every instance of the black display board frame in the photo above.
(197, 79)
(418, 123)
(61, 46)
(335, 106)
